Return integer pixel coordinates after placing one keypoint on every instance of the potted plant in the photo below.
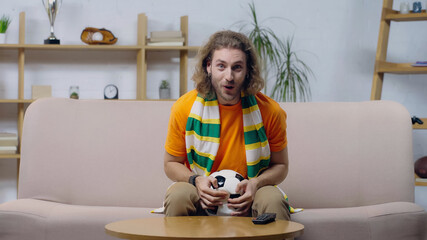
(277, 55)
(74, 92)
(4, 24)
(164, 90)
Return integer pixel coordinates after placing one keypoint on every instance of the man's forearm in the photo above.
(274, 175)
(175, 168)
(277, 171)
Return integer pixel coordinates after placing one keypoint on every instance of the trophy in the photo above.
(52, 8)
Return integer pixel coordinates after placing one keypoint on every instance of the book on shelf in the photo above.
(166, 39)
(421, 180)
(8, 149)
(165, 44)
(166, 34)
(8, 139)
(420, 64)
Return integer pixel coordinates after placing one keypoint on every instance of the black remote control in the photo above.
(264, 218)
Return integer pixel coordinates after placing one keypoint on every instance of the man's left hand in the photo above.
(247, 189)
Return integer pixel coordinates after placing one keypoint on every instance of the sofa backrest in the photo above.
(95, 152)
(110, 153)
(348, 154)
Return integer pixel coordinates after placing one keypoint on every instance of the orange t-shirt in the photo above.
(231, 153)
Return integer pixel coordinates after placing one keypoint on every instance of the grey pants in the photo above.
(182, 199)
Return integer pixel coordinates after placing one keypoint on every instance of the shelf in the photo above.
(393, 15)
(3, 156)
(32, 100)
(16, 100)
(95, 47)
(398, 68)
(70, 47)
(81, 47)
(423, 126)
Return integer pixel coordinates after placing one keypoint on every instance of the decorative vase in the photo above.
(2, 38)
(404, 8)
(164, 93)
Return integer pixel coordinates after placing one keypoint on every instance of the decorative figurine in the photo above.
(416, 7)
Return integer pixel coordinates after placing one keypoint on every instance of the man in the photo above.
(226, 123)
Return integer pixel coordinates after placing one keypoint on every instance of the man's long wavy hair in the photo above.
(227, 39)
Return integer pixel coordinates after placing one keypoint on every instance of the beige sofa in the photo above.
(86, 163)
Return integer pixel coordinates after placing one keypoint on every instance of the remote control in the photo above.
(264, 218)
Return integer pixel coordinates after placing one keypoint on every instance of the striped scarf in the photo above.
(203, 133)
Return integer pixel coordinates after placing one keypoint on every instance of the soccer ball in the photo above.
(227, 181)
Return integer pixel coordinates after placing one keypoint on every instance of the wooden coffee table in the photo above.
(202, 228)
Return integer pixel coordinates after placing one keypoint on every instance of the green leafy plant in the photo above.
(292, 76)
(277, 55)
(4, 23)
(164, 84)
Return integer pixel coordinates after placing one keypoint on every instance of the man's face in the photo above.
(228, 69)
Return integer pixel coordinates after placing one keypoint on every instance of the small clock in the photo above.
(111, 92)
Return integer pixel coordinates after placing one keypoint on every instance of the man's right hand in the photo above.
(209, 198)
(176, 170)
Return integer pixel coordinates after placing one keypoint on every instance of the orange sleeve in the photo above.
(274, 119)
(175, 138)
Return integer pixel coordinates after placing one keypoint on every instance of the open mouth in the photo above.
(229, 87)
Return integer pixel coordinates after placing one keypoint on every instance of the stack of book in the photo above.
(166, 38)
(8, 143)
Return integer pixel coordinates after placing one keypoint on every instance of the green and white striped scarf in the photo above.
(203, 133)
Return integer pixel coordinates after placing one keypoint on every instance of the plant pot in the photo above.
(2, 38)
(164, 93)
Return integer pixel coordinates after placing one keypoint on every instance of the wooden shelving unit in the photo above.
(393, 15)
(381, 65)
(13, 156)
(140, 50)
(399, 68)
(69, 47)
(16, 100)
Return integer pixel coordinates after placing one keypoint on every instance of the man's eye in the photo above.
(237, 67)
(221, 66)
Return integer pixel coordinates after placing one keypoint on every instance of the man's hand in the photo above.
(273, 175)
(209, 198)
(247, 189)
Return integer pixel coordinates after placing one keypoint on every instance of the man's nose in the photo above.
(229, 75)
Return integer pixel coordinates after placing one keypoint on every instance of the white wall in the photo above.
(337, 39)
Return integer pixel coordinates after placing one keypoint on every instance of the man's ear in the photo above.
(208, 66)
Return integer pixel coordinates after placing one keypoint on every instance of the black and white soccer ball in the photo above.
(227, 181)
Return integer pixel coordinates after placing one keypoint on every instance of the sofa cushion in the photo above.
(36, 219)
(389, 221)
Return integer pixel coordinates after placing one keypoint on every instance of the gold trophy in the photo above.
(52, 8)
